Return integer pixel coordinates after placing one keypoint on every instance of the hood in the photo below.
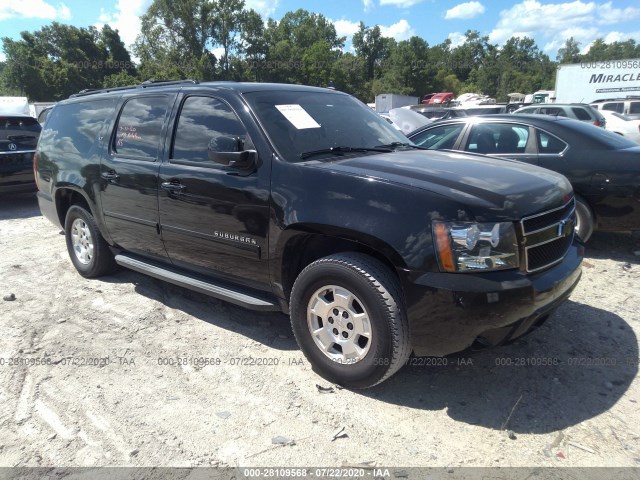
(408, 120)
(507, 188)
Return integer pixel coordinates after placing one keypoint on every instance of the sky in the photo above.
(549, 23)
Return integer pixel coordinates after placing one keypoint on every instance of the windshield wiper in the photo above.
(343, 149)
(400, 144)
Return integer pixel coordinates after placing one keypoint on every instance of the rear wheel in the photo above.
(348, 319)
(584, 220)
(89, 252)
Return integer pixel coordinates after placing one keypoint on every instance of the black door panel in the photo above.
(214, 218)
(129, 175)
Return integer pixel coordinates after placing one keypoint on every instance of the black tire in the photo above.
(377, 291)
(100, 261)
(584, 220)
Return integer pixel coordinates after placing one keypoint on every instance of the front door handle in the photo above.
(110, 176)
(173, 187)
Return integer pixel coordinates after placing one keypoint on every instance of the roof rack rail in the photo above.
(616, 99)
(145, 84)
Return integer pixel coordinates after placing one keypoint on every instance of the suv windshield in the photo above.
(18, 133)
(301, 122)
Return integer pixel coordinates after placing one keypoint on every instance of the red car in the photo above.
(441, 98)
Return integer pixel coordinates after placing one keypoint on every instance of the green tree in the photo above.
(369, 44)
(301, 46)
(175, 40)
(570, 53)
(228, 19)
(58, 60)
(252, 46)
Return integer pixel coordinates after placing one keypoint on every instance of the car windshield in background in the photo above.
(18, 133)
(301, 122)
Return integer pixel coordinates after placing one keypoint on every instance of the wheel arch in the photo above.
(302, 244)
(68, 195)
(65, 197)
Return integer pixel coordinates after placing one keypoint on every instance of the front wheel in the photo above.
(89, 252)
(348, 318)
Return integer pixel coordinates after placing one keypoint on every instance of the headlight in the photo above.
(469, 247)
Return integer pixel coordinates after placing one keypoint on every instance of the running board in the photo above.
(236, 297)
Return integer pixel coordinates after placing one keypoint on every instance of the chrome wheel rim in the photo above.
(339, 324)
(81, 241)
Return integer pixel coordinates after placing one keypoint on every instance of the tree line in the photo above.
(177, 40)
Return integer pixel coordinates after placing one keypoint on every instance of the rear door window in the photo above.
(139, 127)
(553, 111)
(496, 138)
(437, 138)
(634, 107)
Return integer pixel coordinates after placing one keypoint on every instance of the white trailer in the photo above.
(389, 101)
(589, 81)
(14, 106)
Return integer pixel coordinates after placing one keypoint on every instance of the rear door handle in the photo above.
(173, 187)
(110, 176)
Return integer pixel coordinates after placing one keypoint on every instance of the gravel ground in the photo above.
(90, 376)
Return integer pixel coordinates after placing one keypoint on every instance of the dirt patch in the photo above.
(128, 370)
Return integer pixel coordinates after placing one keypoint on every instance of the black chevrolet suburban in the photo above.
(303, 200)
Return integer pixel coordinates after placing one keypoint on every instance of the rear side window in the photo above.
(549, 144)
(18, 133)
(203, 125)
(581, 114)
(614, 107)
(19, 123)
(74, 127)
(140, 125)
(443, 137)
(634, 107)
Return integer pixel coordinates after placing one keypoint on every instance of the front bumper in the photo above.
(448, 312)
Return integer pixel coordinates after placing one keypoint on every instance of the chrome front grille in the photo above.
(547, 236)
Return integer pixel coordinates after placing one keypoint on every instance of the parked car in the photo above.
(294, 199)
(436, 112)
(444, 113)
(425, 98)
(627, 106)
(577, 111)
(18, 140)
(622, 125)
(603, 167)
(442, 98)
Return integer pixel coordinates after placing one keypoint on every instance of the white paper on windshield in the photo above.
(298, 116)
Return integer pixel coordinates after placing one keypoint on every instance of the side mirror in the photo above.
(230, 151)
